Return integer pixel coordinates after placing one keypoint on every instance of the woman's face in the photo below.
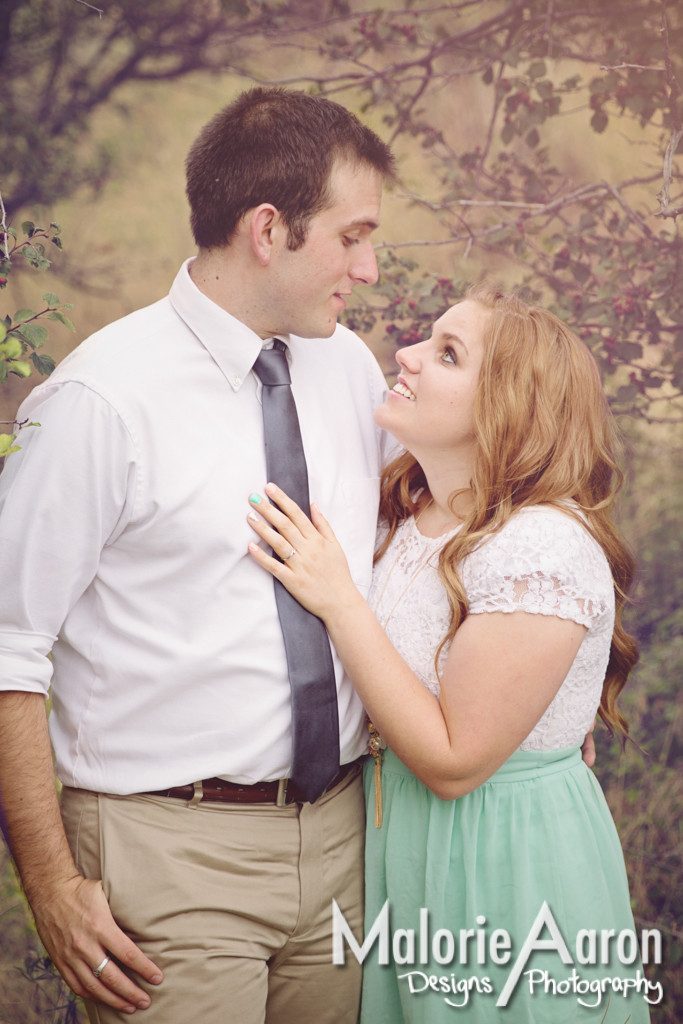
(431, 406)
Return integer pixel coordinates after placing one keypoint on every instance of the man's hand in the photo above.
(78, 931)
(588, 748)
(72, 914)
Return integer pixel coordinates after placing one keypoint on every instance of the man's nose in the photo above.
(363, 270)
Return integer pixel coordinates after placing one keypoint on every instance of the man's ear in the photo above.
(263, 219)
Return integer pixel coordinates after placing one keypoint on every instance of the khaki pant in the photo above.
(232, 902)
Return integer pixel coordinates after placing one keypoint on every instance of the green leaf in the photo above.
(544, 89)
(587, 221)
(43, 364)
(35, 255)
(51, 299)
(537, 69)
(34, 334)
(533, 138)
(508, 132)
(430, 304)
(57, 227)
(58, 242)
(627, 393)
(11, 348)
(628, 350)
(22, 315)
(28, 227)
(57, 315)
(19, 367)
(6, 446)
(3, 333)
(3, 371)
(581, 272)
(599, 121)
(487, 77)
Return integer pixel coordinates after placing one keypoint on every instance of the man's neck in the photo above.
(224, 279)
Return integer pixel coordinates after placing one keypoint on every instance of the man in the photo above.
(188, 877)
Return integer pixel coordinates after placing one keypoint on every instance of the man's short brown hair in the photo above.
(273, 146)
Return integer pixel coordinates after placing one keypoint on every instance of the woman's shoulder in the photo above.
(543, 557)
(539, 527)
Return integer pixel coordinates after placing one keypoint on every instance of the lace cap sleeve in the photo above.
(542, 562)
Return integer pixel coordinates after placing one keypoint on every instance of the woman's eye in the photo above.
(449, 356)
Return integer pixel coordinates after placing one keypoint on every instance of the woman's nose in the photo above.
(408, 358)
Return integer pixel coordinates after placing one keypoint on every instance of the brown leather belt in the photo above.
(280, 792)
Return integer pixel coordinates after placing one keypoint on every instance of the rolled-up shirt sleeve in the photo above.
(68, 492)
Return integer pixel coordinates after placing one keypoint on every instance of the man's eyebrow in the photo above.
(362, 223)
(447, 336)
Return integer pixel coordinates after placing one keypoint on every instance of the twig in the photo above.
(549, 28)
(666, 210)
(617, 67)
(628, 210)
(100, 12)
(4, 228)
(468, 202)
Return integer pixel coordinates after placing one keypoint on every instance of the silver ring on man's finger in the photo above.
(97, 971)
(292, 552)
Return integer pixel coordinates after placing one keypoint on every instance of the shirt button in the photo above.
(237, 381)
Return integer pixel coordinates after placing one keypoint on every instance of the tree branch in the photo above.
(666, 209)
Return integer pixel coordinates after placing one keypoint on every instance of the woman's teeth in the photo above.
(401, 389)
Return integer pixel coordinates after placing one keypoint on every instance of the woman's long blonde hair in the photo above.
(544, 435)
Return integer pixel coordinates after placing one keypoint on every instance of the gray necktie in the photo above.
(315, 717)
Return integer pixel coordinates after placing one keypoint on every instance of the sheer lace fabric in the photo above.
(542, 562)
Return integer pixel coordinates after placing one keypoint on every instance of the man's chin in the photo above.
(323, 329)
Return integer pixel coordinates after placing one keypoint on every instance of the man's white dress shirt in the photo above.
(123, 544)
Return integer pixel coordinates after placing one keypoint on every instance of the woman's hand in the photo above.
(314, 570)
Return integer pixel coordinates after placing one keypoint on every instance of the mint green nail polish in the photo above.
(256, 498)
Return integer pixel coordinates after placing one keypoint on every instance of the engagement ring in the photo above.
(100, 967)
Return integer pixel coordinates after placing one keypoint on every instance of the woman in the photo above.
(498, 587)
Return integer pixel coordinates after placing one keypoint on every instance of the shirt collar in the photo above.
(233, 345)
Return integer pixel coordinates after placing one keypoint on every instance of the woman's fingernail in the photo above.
(253, 517)
(314, 506)
(270, 488)
(252, 546)
(256, 498)
(156, 979)
(143, 1004)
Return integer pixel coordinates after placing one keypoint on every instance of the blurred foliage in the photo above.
(609, 265)
(60, 60)
(645, 793)
(31, 991)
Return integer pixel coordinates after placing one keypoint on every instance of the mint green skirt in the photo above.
(536, 843)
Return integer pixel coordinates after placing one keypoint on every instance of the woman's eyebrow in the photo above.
(447, 336)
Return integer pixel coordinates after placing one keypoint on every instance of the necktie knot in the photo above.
(271, 367)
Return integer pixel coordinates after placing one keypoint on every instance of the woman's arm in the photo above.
(502, 671)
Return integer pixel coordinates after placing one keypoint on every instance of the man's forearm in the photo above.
(29, 800)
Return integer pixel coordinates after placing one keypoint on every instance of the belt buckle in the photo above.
(281, 799)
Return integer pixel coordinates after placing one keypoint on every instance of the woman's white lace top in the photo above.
(542, 562)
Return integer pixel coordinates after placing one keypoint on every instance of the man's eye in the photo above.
(449, 356)
(350, 241)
